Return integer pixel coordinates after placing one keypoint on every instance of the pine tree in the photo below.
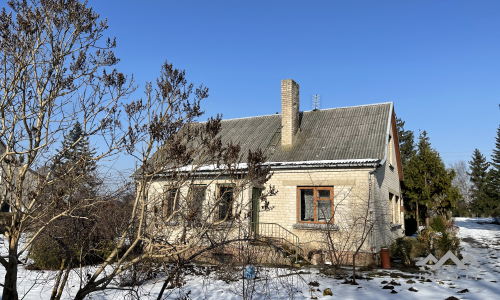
(428, 184)
(478, 177)
(406, 142)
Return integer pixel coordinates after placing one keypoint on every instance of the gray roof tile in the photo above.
(357, 132)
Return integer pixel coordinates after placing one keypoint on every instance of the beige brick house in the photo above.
(329, 166)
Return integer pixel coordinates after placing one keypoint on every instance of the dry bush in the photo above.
(86, 237)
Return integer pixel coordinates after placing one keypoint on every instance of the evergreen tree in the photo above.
(478, 177)
(76, 149)
(406, 142)
(75, 161)
(491, 201)
(428, 184)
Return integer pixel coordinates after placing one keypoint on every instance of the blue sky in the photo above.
(438, 61)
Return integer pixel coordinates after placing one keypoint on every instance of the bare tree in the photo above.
(348, 231)
(53, 75)
(52, 61)
(193, 192)
(350, 217)
(462, 182)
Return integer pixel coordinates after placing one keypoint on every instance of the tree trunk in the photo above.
(10, 282)
(418, 220)
(80, 295)
(56, 285)
(163, 287)
(427, 215)
(354, 268)
(63, 284)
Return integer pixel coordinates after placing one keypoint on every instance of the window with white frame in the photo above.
(391, 208)
(397, 211)
(389, 150)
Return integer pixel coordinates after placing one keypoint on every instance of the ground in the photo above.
(480, 238)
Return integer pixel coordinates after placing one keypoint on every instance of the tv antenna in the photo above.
(316, 102)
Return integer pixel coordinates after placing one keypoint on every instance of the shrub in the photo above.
(407, 249)
(448, 242)
(438, 244)
(45, 254)
(86, 239)
(438, 224)
(496, 215)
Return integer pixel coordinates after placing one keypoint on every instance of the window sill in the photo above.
(172, 223)
(188, 224)
(396, 226)
(315, 226)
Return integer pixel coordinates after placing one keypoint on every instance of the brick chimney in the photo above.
(289, 111)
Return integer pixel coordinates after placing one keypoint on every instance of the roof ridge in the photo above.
(373, 104)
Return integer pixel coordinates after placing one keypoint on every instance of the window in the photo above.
(171, 202)
(397, 211)
(195, 205)
(5, 206)
(226, 203)
(391, 208)
(389, 150)
(315, 204)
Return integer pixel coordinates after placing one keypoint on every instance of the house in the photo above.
(329, 166)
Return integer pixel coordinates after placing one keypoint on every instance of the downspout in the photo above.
(371, 211)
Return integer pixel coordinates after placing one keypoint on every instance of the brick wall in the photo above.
(386, 180)
(289, 110)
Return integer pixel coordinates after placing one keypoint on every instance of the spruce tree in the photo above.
(406, 142)
(491, 201)
(478, 177)
(428, 184)
(75, 147)
(75, 160)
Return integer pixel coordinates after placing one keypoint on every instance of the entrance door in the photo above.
(255, 211)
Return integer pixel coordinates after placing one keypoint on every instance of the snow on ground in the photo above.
(480, 238)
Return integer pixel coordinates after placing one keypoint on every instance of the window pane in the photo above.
(307, 205)
(225, 206)
(391, 207)
(170, 201)
(397, 211)
(324, 194)
(196, 206)
(324, 211)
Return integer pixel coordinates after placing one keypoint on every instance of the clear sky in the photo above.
(438, 61)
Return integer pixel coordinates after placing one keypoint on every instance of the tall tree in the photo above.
(53, 59)
(491, 200)
(478, 178)
(76, 147)
(406, 142)
(77, 158)
(428, 184)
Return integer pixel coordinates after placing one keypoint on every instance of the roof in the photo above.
(347, 133)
